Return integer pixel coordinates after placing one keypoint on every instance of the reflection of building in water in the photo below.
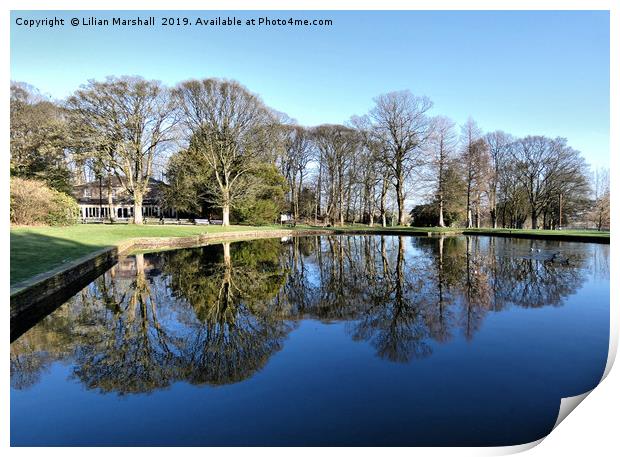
(128, 266)
(216, 314)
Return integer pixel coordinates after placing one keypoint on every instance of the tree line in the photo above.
(221, 148)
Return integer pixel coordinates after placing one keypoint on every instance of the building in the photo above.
(92, 198)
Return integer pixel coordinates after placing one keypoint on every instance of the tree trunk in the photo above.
(137, 208)
(383, 197)
(400, 199)
(441, 222)
(317, 196)
(341, 201)
(494, 211)
(111, 212)
(299, 189)
(225, 215)
(332, 205)
(440, 187)
(294, 200)
(225, 207)
(534, 219)
(469, 218)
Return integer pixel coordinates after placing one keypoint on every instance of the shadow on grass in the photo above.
(34, 253)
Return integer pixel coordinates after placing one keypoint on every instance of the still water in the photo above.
(331, 340)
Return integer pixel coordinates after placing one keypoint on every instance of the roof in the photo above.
(116, 182)
(120, 195)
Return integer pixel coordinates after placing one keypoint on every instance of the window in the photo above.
(87, 192)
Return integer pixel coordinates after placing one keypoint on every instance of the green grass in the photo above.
(36, 250)
(542, 233)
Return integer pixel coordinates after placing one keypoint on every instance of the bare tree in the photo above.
(570, 192)
(547, 168)
(229, 127)
(296, 156)
(513, 208)
(498, 143)
(401, 125)
(129, 121)
(600, 213)
(371, 170)
(442, 145)
(336, 145)
(474, 160)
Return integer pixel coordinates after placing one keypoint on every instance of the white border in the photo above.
(592, 429)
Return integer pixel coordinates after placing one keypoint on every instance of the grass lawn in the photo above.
(542, 233)
(35, 250)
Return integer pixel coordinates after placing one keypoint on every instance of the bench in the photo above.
(201, 221)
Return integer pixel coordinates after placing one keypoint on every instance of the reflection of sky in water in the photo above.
(319, 340)
(312, 276)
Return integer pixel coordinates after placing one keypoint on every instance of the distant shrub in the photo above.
(33, 203)
(266, 201)
(259, 212)
(64, 209)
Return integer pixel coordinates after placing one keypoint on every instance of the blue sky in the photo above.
(523, 72)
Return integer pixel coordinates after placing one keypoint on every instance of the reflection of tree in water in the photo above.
(394, 321)
(127, 350)
(440, 315)
(489, 274)
(238, 326)
(532, 283)
(206, 320)
(400, 301)
(216, 314)
(34, 351)
(58, 334)
(390, 297)
(599, 261)
(297, 293)
(513, 272)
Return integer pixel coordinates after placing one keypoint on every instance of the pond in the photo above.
(323, 340)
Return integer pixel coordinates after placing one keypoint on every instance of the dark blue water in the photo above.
(356, 340)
